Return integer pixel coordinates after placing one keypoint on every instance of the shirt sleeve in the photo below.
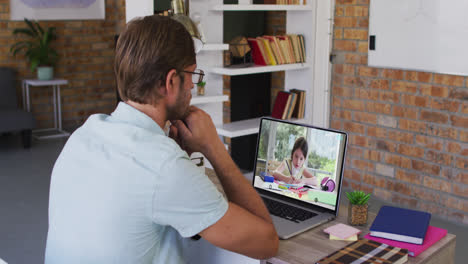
(185, 198)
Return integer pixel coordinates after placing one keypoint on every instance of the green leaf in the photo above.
(24, 31)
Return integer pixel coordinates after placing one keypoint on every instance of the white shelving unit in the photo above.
(214, 46)
(209, 97)
(244, 127)
(231, 71)
(235, 7)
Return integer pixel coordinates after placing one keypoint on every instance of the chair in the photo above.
(12, 118)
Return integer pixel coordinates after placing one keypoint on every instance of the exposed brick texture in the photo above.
(408, 130)
(86, 50)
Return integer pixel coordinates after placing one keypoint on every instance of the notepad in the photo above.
(342, 231)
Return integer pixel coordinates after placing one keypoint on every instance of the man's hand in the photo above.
(196, 133)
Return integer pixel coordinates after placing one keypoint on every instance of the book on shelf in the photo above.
(276, 50)
(401, 224)
(367, 251)
(433, 235)
(280, 104)
(288, 104)
(291, 105)
(298, 111)
(257, 53)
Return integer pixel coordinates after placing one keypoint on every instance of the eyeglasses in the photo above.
(197, 76)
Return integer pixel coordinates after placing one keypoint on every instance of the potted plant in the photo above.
(37, 48)
(358, 207)
(201, 88)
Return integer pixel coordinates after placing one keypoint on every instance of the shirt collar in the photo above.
(131, 115)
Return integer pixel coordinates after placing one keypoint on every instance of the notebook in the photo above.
(400, 224)
(297, 207)
(366, 251)
(433, 235)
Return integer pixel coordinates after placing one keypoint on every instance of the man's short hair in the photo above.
(146, 51)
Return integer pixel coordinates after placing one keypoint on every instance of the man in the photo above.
(124, 192)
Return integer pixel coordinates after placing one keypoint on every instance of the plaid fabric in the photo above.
(366, 252)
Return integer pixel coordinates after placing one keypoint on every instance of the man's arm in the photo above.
(246, 228)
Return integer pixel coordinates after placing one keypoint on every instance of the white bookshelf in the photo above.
(231, 71)
(235, 7)
(214, 47)
(244, 127)
(209, 97)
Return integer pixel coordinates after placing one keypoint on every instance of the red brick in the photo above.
(459, 121)
(425, 167)
(382, 194)
(398, 187)
(460, 190)
(432, 208)
(353, 175)
(462, 177)
(372, 155)
(434, 117)
(406, 112)
(461, 163)
(368, 71)
(401, 136)
(353, 104)
(353, 127)
(447, 105)
(408, 177)
(362, 46)
(453, 147)
(404, 87)
(379, 84)
(413, 100)
(349, 22)
(345, 45)
(412, 125)
(460, 94)
(344, 69)
(357, 11)
(363, 165)
(378, 107)
(464, 136)
(385, 145)
(345, 2)
(364, 117)
(338, 32)
(355, 59)
(404, 201)
(354, 152)
(412, 151)
(358, 140)
(426, 194)
(429, 142)
(336, 124)
(389, 97)
(353, 81)
(442, 132)
(363, 22)
(418, 76)
(376, 132)
(366, 94)
(432, 90)
(342, 91)
(436, 184)
(450, 80)
(374, 180)
(393, 74)
(439, 157)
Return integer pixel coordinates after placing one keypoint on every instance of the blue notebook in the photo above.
(401, 224)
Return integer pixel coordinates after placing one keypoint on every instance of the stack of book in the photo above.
(275, 50)
(289, 104)
(405, 228)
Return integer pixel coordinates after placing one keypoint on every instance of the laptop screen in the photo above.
(299, 161)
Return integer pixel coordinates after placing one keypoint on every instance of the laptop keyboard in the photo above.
(286, 211)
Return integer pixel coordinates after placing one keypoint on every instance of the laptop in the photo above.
(312, 198)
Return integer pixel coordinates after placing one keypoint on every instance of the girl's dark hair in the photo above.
(146, 51)
(301, 143)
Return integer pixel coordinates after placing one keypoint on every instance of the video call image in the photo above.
(300, 162)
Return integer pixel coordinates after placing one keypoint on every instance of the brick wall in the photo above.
(86, 50)
(408, 130)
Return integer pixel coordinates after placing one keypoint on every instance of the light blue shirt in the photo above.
(123, 192)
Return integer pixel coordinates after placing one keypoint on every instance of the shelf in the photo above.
(235, 7)
(243, 128)
(214, 46)
(208, 98)
(258, 69)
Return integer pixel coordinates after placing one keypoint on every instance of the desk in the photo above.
(57, 129)
(314, 244)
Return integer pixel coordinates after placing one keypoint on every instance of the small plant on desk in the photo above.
(358, 207)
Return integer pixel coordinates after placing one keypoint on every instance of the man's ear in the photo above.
(170, 81)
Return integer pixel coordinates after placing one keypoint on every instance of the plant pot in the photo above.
(45, 73)
(200, 90)
(357, 214)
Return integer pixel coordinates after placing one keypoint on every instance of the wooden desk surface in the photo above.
(312, 245)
